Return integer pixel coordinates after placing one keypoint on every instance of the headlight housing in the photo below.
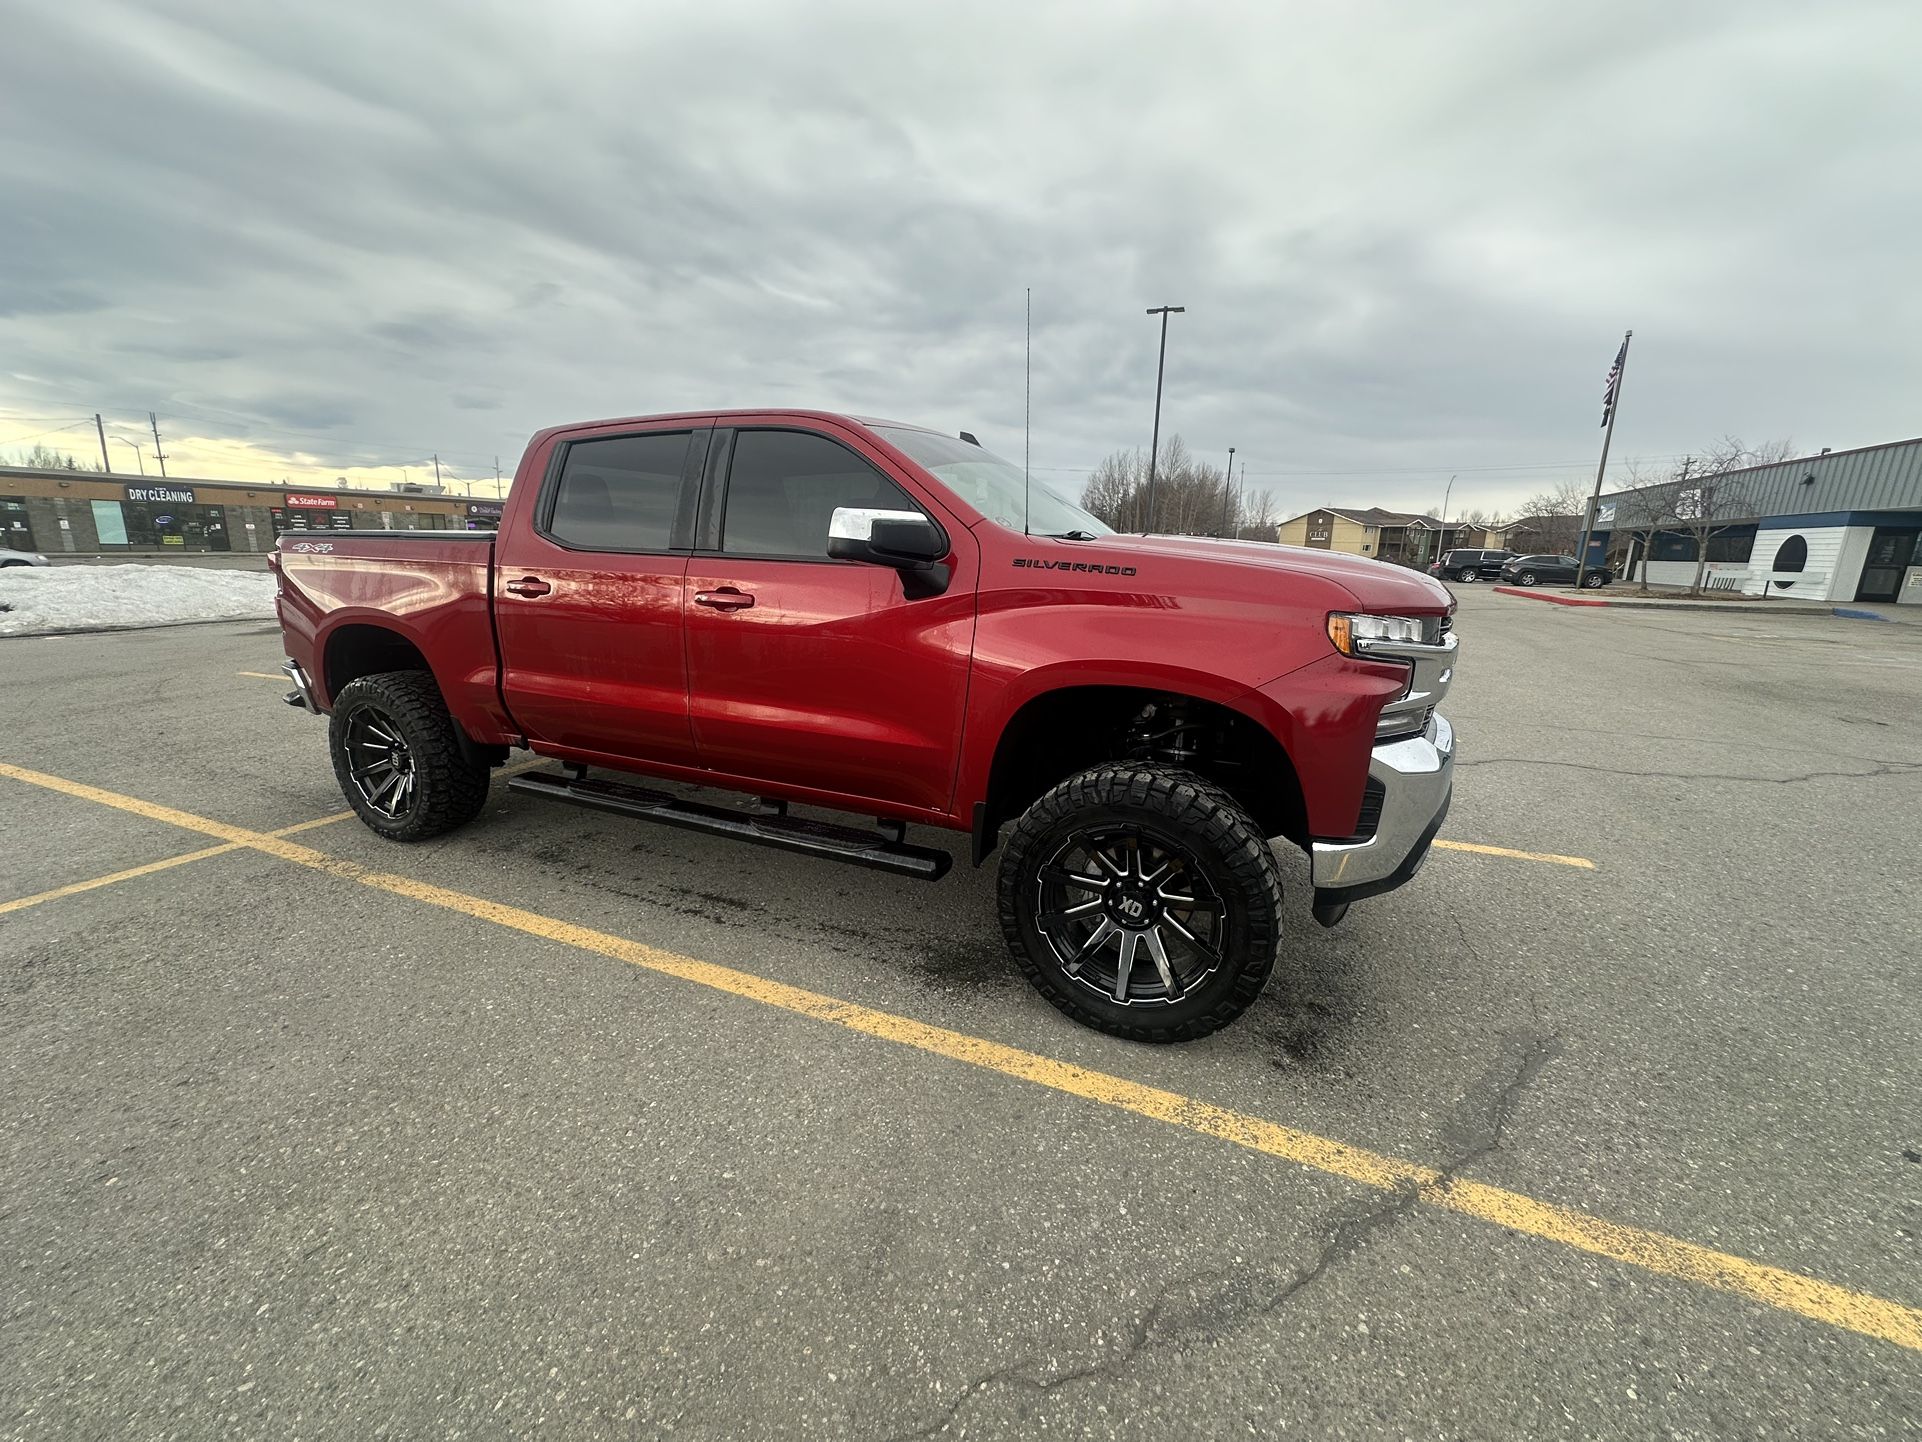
(1351, 633)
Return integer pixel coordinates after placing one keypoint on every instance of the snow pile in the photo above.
(101, 598)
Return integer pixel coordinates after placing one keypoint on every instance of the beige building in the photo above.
(1398, 536)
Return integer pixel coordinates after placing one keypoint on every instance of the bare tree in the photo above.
(1643, 511)
(1258, 519)
(1191, 498)
(1712, 497)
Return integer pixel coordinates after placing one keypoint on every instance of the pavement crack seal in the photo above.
(1826, 1302)
(1233, 1304)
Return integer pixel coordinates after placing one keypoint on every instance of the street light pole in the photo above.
(1154, 446)
(137, 455)
(1227, 489)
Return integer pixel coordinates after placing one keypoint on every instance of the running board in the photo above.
(770, 828)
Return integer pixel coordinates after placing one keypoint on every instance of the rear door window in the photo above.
(621, 493)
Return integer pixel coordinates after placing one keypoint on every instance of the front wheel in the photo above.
(1141, 900)
(398, 757)
(1593, 580)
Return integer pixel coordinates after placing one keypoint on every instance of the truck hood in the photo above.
(1377, 586)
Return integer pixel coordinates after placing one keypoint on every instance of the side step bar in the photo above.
(772, 828)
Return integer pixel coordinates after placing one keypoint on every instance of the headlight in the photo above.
(1350, 632)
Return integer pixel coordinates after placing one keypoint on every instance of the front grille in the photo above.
(1433, 628)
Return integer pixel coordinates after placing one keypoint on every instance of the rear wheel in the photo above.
(1466, 573)
(1143, 901)
(1528, 578)
(398, 757)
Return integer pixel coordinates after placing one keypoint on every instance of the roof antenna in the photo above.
(1027, 410)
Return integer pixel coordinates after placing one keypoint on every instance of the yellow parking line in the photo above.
(265, 676)
(1581, 861)
(1810, 1297)
(21, 903)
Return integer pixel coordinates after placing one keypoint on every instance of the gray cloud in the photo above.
(1408, 241)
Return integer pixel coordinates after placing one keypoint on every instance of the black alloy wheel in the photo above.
(1130, 915)
(399, 757)
(379, 763)
(1142, 900)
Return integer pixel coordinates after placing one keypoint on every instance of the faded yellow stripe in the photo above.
(1581, 861)
(267, 676)
(1820, 1301)
(21, 903)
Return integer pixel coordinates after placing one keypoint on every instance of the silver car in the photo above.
(23, 558)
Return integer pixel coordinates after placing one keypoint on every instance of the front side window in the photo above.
(620, 494)
(783, 488)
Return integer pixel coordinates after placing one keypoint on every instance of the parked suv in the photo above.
(1551, 571)
(1470, 565)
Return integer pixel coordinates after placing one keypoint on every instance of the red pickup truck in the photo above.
(885, 620)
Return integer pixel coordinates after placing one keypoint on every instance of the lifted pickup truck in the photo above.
(881, 619)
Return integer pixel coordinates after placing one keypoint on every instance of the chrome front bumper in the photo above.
(1416, 775)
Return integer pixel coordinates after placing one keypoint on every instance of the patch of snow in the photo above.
(101, 598)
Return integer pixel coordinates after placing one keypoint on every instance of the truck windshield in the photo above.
(994, 487)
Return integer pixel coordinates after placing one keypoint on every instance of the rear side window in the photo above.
(783, 486)
(620, 494)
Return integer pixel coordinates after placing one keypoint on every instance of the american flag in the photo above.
(1613, 388)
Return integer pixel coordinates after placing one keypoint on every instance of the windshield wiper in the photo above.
(1073, 536)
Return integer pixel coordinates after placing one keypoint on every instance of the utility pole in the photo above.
(497, 477)
(101, 430)
(1612, 400)
(153, 421)
(1227, 489)
(1441, 541)
(437, 469)
(1154, 446)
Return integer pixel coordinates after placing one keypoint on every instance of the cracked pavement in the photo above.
(280, 1156)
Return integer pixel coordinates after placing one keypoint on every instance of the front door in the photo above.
(810, 672)
(1892, 550)
(587, 597)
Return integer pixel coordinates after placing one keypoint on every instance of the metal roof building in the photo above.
(1837, 526)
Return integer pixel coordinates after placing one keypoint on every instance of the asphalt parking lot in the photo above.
(563, 1121)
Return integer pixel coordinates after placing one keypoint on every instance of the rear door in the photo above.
(811, 672)
(588, 596)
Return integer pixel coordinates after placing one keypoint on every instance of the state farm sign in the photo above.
(311, 503)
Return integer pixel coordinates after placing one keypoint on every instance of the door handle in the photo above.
(527, 586)
(725, 599)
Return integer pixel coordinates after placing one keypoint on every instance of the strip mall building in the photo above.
(88, 513)
(1839, 526)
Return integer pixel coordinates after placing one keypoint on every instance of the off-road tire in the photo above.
(1237, 859)
(450, 790)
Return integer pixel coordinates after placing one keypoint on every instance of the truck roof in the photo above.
(798, 413)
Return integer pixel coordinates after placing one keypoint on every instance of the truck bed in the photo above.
(433, 587)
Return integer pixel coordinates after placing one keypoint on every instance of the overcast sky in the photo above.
(331, 239)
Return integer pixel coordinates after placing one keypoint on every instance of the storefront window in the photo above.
(15, 532)
(167, 524)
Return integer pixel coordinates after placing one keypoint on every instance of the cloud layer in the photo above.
(1408, 237)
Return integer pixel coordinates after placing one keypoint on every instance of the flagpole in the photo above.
(1608, 435)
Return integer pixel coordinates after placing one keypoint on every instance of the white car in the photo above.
(23, 558)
